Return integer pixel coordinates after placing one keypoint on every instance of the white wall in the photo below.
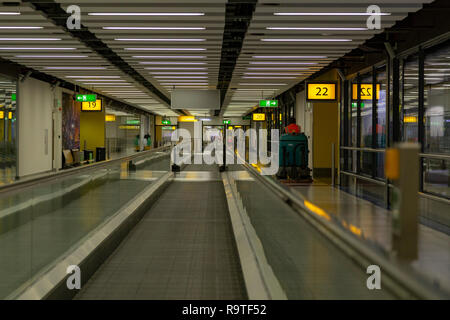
(35, 131)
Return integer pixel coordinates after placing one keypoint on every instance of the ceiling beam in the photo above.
(238, 15)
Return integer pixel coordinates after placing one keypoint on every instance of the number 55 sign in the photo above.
(321, 91)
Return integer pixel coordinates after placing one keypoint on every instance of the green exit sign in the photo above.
(13, 97)
(134, 122)
(268, 103)
(226, 121)
(355, 105)
(86, 97)
(166, 122)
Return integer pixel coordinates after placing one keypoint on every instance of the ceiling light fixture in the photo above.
(289, 57)
(146, 14)
(50, 57)
(19, 28)
(75, 68)
(283, 63)
(317, 28)
(37, 48)
(154, 28)
(165, 49)
(307, 40)
(161, 39)
(30, 39)
(169, 57)
(9, 13)
(330, 14)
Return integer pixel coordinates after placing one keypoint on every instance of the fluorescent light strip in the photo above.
(101, 83)
(306, 40)
(75, 68)
(176, 77)
(101, 87)
(270, 78)
(168, 80)
(185, 84)
(19, 28)
(178, 68)
(276, 69)
(30, 39)
(154, 28)
(289, 57)
(172, 63)
(330, 14)
(111, 80)
(282, 63)
(263, 84)
(272, 74)
(75, 77)
(50, 57)
(161, 39)
(37, 48)
(178, 73)
(146, 14)
(317, 28)
(169, 57)
(9, 13)
(165, 49)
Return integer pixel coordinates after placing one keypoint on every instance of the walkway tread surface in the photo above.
(182, 249)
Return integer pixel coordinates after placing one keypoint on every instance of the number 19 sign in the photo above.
(321, 91)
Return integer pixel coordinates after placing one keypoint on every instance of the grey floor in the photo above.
(182, 249)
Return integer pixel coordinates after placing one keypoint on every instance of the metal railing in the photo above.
(402, 283)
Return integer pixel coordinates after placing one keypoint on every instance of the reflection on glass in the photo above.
(410, 98)
(7, 130)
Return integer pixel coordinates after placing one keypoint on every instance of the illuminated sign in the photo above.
(259, 117)
(13, 97)
(226, 121)
(92, 106)
(129, 127)
(110, 118)
(166, 122)
(355, 105)
(168, 128)
(10, 115)
(366, 91)
(186, 119)
(2, 114)
(134, 122)
(86, 97)
(325, 91)
(268, 103)
(410, 119)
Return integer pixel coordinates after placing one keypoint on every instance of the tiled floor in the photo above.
(375, 223)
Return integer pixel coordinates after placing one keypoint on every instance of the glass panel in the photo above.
(410, 99)
(42, 223)
(7, 130)
(437, 101)
(437, 177)
(382, 80)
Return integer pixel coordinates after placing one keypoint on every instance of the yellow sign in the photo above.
(2, 114)
(9, 115)
(259, 117)
(92, 106)
(366, 91)
(110, 118)
(391, 168)
(321, 91)
(186, 119)
(410, 119)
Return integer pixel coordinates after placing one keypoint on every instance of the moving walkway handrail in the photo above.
(25, 183)
(400, 283)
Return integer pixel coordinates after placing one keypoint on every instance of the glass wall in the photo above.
(437, 121)
(409, 77)
(7, 130)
